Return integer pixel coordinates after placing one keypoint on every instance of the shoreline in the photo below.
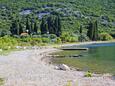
(94, 76)
(88, 43)
(28, 68)
(85, 43)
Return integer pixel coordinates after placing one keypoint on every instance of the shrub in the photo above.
(45, 35)
(58, 40)
(28, 39)
(45, 40)
(7, 42)
(112, 34)
(1, 81)
(36, 36)
(64, 36)
(83, 37)
(52, 36)
(35, 41)
(88, 74)
(38, 40)
(105, 37)
(4, 32)
(71, 39)
(68, 37)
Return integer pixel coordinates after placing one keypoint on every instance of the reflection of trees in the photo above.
(101, 53)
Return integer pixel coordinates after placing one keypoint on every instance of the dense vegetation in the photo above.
(58, 20)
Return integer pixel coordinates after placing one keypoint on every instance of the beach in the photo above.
(30, 68)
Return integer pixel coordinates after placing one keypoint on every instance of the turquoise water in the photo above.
(100, 58)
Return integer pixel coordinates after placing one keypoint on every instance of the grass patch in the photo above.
(6, 52)
(1, 81)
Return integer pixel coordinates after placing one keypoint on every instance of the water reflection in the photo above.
(99, 58)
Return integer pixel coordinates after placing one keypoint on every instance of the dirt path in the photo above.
(25, 68)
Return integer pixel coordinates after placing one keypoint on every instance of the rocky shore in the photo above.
(27, 68)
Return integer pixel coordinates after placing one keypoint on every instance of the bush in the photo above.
(38, 40)
(58, 40)
(7, 42)
(35, 41)
(105, 37)
(72, 39)
(112, 34)
(1, 81)
(45, 40)
(4, 32)
(45, 35)
(68, 37)
(52, 36)
(28, 39)
(83, 37)
(88, 74)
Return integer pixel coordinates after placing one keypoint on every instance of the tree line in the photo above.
(49, 25)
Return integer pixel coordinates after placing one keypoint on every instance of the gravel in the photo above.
(25, 68)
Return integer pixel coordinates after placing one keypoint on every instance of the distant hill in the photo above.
(73, 13)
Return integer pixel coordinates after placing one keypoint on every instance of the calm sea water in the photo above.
(100, 58)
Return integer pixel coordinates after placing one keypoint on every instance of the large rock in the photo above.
(62, 67)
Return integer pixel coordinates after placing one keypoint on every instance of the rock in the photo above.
(18, 47)
(57, 68)
(24, 48)
(63, 67)
(107, 75)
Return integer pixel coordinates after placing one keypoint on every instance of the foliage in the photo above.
(52, 36)
(105, 37)
(88, 74)
(7, 42)
(92, 32)
(83, 37)
(1, 81)
(69, 83)
(58, 40)
(57, 17)
(45, 40)
(112, 34)
(51, 25)
(68, 37)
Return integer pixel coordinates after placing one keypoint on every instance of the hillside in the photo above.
(73, 13)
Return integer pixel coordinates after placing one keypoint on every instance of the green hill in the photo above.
(73, 14)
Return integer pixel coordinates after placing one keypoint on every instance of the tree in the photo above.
(51, 24)
(59, 26)
(20, 28)
(17, 28)
(80, 31)
(35, 27)
(28, 26)
(95, 31)
(32, 26)
(92, 32)
(14, 27)
(44, 26)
